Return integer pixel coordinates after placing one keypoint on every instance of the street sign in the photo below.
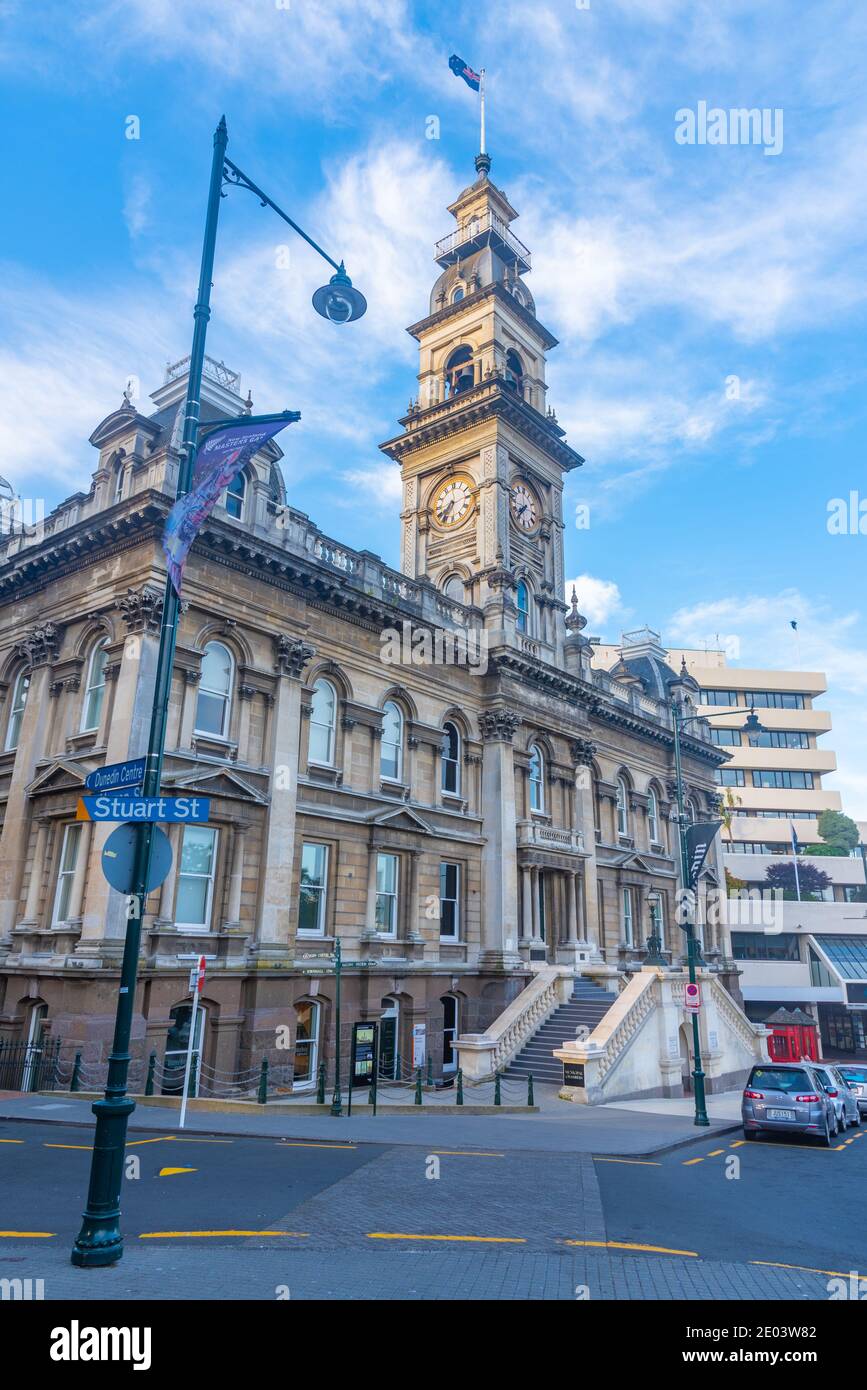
(197, 977)
(124, 807)
(573, 1073)
(115, 776)
(692, 998)
(363, 1053)
(118, 858)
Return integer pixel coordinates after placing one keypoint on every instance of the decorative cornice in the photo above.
(582, 751)
(40, 645)
(142, 609)
(498, 725)
(291, 655)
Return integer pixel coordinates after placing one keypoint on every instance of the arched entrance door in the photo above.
(389, 1039)
(177, 1043)
(450, 1032)
(685, 1060)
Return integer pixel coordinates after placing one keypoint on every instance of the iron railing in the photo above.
(30, 1066)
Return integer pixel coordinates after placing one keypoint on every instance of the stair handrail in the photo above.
(505, 1037)
(622, 1021)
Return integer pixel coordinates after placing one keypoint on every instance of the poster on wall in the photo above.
(419, 1050)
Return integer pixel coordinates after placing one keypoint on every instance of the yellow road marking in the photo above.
(28, 1235)
(688, 1162)
(11, 1141)
(87, 1147)
(183, 1235)
(303, 1144)
(808, 1269)
(490, 1240)
(631, 1245)
(170, 1172)
(639, 1162)
(714, 1153)
(130, 1143)
(190, 1139)
(467, 1153)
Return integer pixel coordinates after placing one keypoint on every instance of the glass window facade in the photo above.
(314, 879)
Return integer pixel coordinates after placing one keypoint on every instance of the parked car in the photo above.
(853, 1110)
(787, 1097)
(845, 1104)
(856, 1079)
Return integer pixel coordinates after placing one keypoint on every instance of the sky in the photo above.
(710, 299)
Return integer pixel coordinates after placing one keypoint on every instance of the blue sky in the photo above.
(664, 269)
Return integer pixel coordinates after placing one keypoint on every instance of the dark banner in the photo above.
(699, 838)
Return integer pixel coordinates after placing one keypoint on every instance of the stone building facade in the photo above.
(420, 762)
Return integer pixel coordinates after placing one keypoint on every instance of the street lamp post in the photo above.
(693, 953)
(336, 1098)
(99, 1241)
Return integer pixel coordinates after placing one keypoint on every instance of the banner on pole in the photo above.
(699, 838)
(218, 462)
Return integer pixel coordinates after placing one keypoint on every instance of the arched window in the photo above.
(653, 817)
(451, 760)
(94, 693)
(391, 746)
(119, 482)
(454, 588)
(622, 807)
(16, 711)
(523, 603)
(323, 723)
(537, 784)
(215, 691)
(459, 371)
(458, 294)
(306, 1045)
(514, 371)
(234, 498)
(691, 812)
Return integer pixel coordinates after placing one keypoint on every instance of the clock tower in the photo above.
(481, 455)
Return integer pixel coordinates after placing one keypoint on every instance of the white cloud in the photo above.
(380, 484)
(598, 599)
(137, 204)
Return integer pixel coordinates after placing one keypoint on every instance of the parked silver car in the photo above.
(845, 1103)
(787, 1097)
(853, 1109)
(856, 1079)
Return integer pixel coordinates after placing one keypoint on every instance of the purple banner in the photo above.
(218, 462)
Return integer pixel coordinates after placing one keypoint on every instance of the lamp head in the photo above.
(339, 301)
(752, 724)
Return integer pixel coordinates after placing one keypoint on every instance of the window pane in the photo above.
(192, 901)
(210, 713)
(386, 873)
(197, 851)
(216, 668)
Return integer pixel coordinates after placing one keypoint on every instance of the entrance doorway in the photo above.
(685, 1060)
(450, 1032)
(306, 1069)
(35, 1044)
(389, 1039)
(177, 1043)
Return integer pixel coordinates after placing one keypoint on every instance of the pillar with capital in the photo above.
(583, 752)
(291, 656)
(499, 856)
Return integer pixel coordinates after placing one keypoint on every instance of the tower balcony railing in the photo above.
(488, 229)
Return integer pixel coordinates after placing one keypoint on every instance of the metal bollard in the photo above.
(530, 1100)
(320, 1085)
(430, 1070)
(263, 1082)
(497, 1100)
(76, 1073)
(418, 1086)
(460, 1086)
(149, 1081)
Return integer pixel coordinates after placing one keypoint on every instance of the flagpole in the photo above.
(795, 854)
(482, 149)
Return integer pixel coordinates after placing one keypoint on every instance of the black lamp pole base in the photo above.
(99, 1242)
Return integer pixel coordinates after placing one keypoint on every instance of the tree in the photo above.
(782, 876)
(839, 832)
(728, 802)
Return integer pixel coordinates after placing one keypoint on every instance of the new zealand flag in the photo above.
(462, 69)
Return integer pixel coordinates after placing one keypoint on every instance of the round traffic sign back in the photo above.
(118, 857)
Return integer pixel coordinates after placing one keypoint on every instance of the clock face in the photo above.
(453, 501)
(525, 508)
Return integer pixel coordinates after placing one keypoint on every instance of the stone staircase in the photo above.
(588, 1005)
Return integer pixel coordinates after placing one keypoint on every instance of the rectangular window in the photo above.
(730, 776)
(627, 915)
(774, 699)
(314, 880)
(718, 697)
(780, 738)
(66, 873)
(776, 777)
(196, 878)
(754, 945)
(450, 907)
(773, 815)
(387, 878)
(726, 738)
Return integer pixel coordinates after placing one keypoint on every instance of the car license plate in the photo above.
(781, 1114)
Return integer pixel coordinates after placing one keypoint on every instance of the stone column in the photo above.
(412, 917)
(582, 755)
(527, 903)
(38, 649)
(499, 856)
(188, 712)
(571, 908)
(236, 877)
(37, 873)
(245, 697)
(167, 892)
(292, 655)
(370, 913)
(103, 917)
(534, 904)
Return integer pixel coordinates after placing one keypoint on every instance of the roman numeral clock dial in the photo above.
(453, 501)
(525, 507)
